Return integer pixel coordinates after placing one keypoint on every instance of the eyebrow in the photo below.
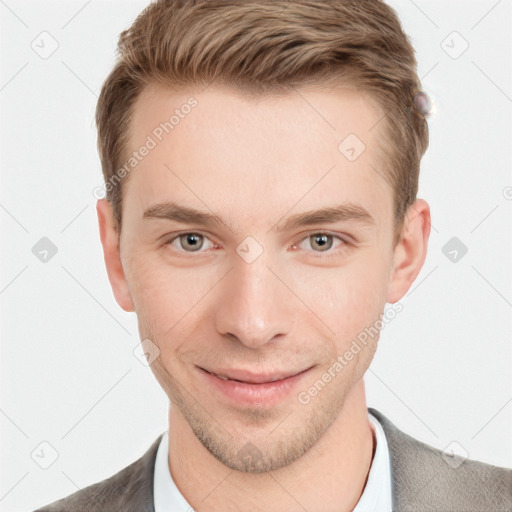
(328, 215)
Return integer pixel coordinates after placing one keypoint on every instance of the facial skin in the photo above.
(255, 163)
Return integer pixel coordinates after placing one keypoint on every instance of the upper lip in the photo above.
(254, 378)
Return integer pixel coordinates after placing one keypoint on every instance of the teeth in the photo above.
(221, 377)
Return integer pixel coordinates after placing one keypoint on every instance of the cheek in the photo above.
(166, 298)
(347, 299)
(353, 306)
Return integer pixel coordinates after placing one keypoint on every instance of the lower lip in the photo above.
(268, 393)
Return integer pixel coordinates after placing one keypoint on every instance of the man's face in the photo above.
(252, 296)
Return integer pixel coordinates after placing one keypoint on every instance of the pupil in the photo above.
(322, 241)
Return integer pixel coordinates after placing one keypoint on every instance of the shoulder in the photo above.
(131, 489)
(425, 478)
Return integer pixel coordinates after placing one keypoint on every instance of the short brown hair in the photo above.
(270, 46)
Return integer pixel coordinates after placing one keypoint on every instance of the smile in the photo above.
(246, 388)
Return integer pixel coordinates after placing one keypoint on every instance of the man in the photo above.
(282, 141)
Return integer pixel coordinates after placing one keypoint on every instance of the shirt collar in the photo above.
(377, 492)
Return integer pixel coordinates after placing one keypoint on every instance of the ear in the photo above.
(111, 252)
(410, 251)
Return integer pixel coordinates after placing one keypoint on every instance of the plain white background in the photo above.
(69, 376)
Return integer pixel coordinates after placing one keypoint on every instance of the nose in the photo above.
(254, 307)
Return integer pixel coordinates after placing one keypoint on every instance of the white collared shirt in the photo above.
(377, 492)
(376, 495)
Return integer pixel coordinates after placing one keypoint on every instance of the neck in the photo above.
(329, 477)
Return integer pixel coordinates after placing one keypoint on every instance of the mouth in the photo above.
(247, 388)
(252, 378)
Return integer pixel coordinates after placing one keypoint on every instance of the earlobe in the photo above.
(411, 251)
(112, 257)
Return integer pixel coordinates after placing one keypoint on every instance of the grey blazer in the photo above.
(422, 481)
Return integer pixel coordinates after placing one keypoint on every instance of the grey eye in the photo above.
(321, 241)
(192, 241)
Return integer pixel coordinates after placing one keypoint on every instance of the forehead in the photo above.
(257, 157)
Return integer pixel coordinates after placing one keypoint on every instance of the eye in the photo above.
(322, 243)
(188, 242)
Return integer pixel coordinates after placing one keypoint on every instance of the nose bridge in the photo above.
(252, 307)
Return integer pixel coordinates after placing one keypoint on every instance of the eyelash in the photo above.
(322, 255)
